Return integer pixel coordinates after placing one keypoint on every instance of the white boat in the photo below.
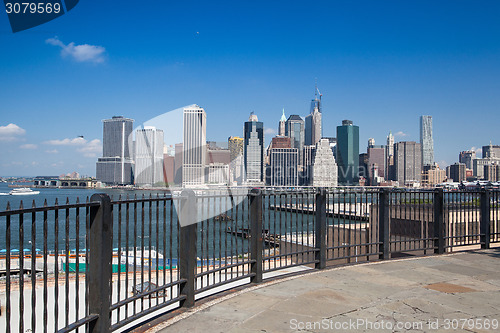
(23, 191)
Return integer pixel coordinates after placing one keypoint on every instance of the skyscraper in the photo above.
(324, 169)
(491, 151)
(426, 140)
(281, 129)
(389, 170)
(408, 162)
(195, 141)
(467, 157)
(308, 154)
(313, 129)
(254, 150)
(148, 156)
(115, 165)
(284, 167)
(235, 145)
(348, 153)
(294, 129)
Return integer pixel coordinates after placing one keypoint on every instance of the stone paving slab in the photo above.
(408, 295)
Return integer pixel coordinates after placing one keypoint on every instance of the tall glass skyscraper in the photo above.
(426, 140)
(148, 156)
(313, 129)
(294, 129)
(195, 146)
(115, 165)
(348, 153)
(254, 150)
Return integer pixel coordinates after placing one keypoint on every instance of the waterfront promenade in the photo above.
(447, 293)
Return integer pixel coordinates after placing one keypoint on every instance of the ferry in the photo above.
(23, 191)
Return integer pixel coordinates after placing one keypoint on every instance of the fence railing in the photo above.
(106, 265)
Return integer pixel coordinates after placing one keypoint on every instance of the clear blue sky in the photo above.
(381, 64)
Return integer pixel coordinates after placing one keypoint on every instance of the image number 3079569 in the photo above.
(24, 14)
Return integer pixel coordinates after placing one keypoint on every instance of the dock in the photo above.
(349, 211)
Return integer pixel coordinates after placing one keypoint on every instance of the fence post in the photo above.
(187, 247)
(320, 228)
(383, 224)
(256, 234)
(438, 202)
(485, 219)
(99, 261)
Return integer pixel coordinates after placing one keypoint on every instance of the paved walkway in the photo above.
(448, 293)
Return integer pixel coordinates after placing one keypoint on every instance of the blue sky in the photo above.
(381, 64)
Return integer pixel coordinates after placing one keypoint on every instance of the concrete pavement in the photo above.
(448, 293)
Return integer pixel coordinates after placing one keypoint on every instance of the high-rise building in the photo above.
(148, 156)
(308, 154)
(294, 129)
(235, 145)
(115, 165)
(492, 172)
(218, 174)
(376, 157)
(168, 169)
(467, 157)
(457, 172)
(491, 151)
(195, 141)
(284, 167)
(389, 170)
(178, 158)
(313, 129)
(426, 140)
(348, 153)
(253, 150)
(324, 169)
(408, 162)
(281, 128)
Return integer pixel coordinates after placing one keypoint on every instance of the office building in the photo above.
(324, 168)
(308, 154)
(389, 170)
(235, 145)
(313, 127)
(377, 158)
(115, 165)
(294, 129)
(491, 151)
(467, 157)
(348, 153)
(492, 172)
(408, 162)
(168, 169)
(426, 140)
(178, 157)
(253, 151)
(281, 127)
(218, 156)
(284, 167)
(479, 163)
(457, 172)
(195, 141)
(149, 156)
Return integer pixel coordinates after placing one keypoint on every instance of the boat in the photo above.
(23, 191)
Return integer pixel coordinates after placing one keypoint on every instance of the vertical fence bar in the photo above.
(438, 202)
(485, 219)
(187, 247)
(383, 224)
(320, 229)
(256, 234)
(100, 257)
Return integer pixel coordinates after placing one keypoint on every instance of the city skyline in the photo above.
(442, 60)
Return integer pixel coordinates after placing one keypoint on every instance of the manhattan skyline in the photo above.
(382, 66)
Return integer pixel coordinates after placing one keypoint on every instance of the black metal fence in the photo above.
(106, 265)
